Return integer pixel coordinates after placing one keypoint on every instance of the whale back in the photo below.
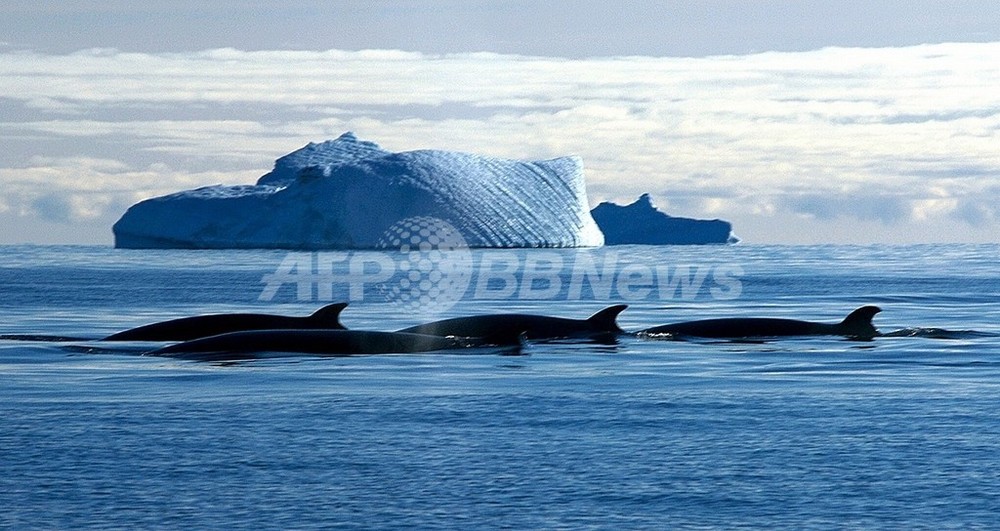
(738, 327)
(194, 327)
(330, 342)
(502, 328)
(857, 324)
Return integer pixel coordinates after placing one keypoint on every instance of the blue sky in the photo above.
(845, 122)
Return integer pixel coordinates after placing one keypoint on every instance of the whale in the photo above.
(254, 344)
(188, 328)
(499, 327)
(858, 324)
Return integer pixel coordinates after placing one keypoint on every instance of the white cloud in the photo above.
(76, 189)
(842, 135)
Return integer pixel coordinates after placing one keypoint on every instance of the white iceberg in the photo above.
(345, 194)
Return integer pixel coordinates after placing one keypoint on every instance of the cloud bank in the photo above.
(832, 145)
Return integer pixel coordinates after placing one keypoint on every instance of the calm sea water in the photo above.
(899, 432)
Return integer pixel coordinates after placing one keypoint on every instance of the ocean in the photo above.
(902, 431)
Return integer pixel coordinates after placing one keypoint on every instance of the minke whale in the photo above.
(257, 343)
(501, 327)
(856, 325)
(187, 328)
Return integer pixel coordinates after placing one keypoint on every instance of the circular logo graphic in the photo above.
(433, 268)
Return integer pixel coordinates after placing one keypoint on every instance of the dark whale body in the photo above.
(257, 343)
(856, 325)
(187, 328)
(501, 327)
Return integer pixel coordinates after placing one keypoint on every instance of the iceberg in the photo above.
(642, 223)
(346, 193)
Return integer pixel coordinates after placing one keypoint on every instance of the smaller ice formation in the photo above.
(642, 223)
(346, 193)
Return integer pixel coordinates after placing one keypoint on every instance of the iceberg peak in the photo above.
(345, 149)
(644, 201)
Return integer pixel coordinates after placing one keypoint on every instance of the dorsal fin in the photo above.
(606, 319)
(330, 314)
(861, 317)
(859, 323)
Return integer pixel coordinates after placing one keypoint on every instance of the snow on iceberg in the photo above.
(345, 194)
(642, 223)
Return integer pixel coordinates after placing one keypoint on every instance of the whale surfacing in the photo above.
(272, 343)
(858, 324)
(500, 327)
(188, 328)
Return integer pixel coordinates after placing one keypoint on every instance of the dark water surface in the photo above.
(899, 432)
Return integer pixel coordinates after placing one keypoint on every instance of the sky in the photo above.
(799, 122)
